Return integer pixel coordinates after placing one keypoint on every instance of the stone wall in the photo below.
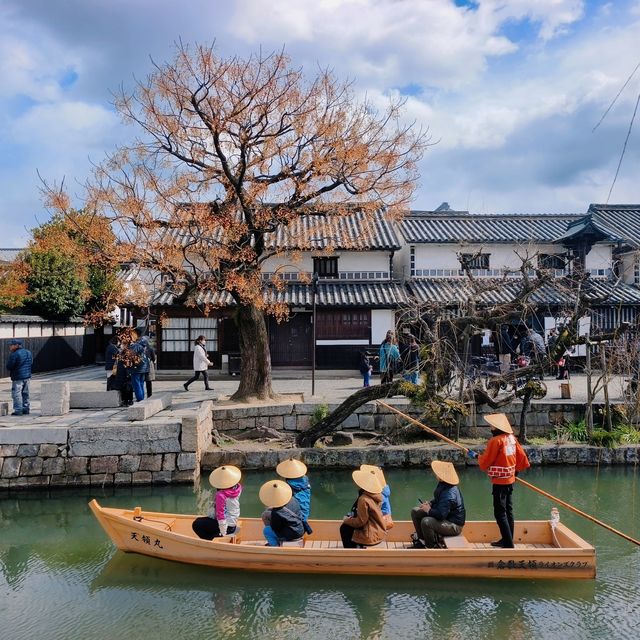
(541, 419)
(415, 456)
(97, 452)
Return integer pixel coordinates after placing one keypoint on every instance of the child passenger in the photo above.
(224, 511)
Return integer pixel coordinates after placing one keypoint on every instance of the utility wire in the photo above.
(624, 148)
(604, 115)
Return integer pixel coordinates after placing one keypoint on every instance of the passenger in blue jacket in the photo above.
(141, 368)
(294, 474)
(283, 517)
(445, 515)
(19, 365)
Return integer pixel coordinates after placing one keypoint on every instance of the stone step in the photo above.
(149, 407)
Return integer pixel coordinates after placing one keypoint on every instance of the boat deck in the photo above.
(388, 544)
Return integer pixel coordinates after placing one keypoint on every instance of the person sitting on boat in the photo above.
(502, 459)
(364, 526)
(283, 517)
(222, 518)
(385, 507)
(294, 474)
(443, 516)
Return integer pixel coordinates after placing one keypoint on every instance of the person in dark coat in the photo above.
(19, 365)
(140, 367)
(110, 361)
(283, 518)
(445, 515)
(150, 376)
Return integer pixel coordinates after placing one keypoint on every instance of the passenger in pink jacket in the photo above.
(223, 514)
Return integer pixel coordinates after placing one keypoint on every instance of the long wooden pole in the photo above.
(523, 482)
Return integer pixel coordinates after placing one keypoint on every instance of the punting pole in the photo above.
(523, 482)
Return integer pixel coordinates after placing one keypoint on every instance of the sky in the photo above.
(510, 90)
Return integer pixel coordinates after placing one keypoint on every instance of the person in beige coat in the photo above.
(365, 526)
(200, 364)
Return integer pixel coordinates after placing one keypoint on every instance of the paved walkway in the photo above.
(330, 387)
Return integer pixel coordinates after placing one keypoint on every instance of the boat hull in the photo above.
(169, 536)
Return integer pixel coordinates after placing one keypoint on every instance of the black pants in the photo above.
(503, 512)
(149, 385)
(208, 529)
(196, 375)
(346, 533)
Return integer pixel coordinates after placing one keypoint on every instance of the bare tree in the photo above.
(232, 152)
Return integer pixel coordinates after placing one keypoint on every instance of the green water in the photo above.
(60, 577)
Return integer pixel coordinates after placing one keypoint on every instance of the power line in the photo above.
(604, 115)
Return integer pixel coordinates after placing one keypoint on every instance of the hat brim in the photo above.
(275, 494)
(499, 421)
(367, 481)
(377, 470)
(291, 469)
(445, 472)
(225, 477)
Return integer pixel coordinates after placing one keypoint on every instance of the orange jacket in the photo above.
(502, 458)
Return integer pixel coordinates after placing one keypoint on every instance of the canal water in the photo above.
(61, 578)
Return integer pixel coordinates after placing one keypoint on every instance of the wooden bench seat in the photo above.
(457, 542)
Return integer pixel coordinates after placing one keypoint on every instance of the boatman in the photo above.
(502, 459)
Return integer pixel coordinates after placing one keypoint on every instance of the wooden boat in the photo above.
(540, 552)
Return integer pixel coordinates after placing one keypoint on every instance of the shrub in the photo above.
(575, 431)
(320, 412)
(603, 438)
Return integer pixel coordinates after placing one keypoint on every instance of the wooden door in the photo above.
(290, 342)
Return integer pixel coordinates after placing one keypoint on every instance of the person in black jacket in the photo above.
(445, 515)
(110, 361)
(283, 517)
(19, 365)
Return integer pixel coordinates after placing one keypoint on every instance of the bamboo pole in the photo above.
(523, 482)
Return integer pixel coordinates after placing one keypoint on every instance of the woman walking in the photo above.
(200, 363)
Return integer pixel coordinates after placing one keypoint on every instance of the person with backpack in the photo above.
(366, 368)
(389, 357)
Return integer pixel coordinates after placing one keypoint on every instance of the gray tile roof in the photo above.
(9, 255)
(461, 226)
(330, 294)
(623, 220)
(453, 292)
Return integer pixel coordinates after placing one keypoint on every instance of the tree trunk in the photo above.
(526, 404)
(334, 420)
(255, 366)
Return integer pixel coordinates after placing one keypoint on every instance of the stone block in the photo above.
(129, 464)
(150, 462)
(122, 478)
(31, 466)
(77, 466)
(26, 450)
(58, 480)
(53, 466)
(351, 422)
(161, 477)
(246, 423)
(78, 480)
(183, 476)
(101, 479)
(290, 423)
(48, 451)
(303, 422)
(196, 428)
(54, 398)
(22, 434)
(141, 477)
(35, 481)
(395, 457)
(103, 464)
(94, 399)
(11, 467)
(186, 461)
(169, 462)
(125, 439)
(149, 407)
(8, 450)
(4, 408)
(276, 422)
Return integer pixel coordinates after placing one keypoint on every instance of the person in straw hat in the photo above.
(443, 516)
(385, 507)
(294, 474)
(283, 515)
(502, 459)
(223, 514)
(364, 526)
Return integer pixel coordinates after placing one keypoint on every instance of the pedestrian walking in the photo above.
(150, 376)
(389, 357)
(110, 366)
(200, 364)
(365, 368)
(19, 364)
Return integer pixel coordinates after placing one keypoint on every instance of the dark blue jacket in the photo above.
(140, 348)
(19, 364)
(287, 521)
(110, 355)
(447, 504)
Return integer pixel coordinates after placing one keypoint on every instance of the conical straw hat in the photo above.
(367, 480)
(225, 477)
(275, 493)
(291, 469)
(445, 472)
(377, 470)
(499, 421)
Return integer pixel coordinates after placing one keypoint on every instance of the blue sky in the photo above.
(510, 89)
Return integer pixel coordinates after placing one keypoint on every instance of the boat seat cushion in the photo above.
(456, 542)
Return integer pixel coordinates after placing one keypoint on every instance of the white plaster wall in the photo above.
(6, 330)
(381, 321)
(347, 261)
(599, 257)
(627, 264)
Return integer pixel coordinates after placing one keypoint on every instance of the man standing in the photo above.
(502, 459)
(19, 366)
